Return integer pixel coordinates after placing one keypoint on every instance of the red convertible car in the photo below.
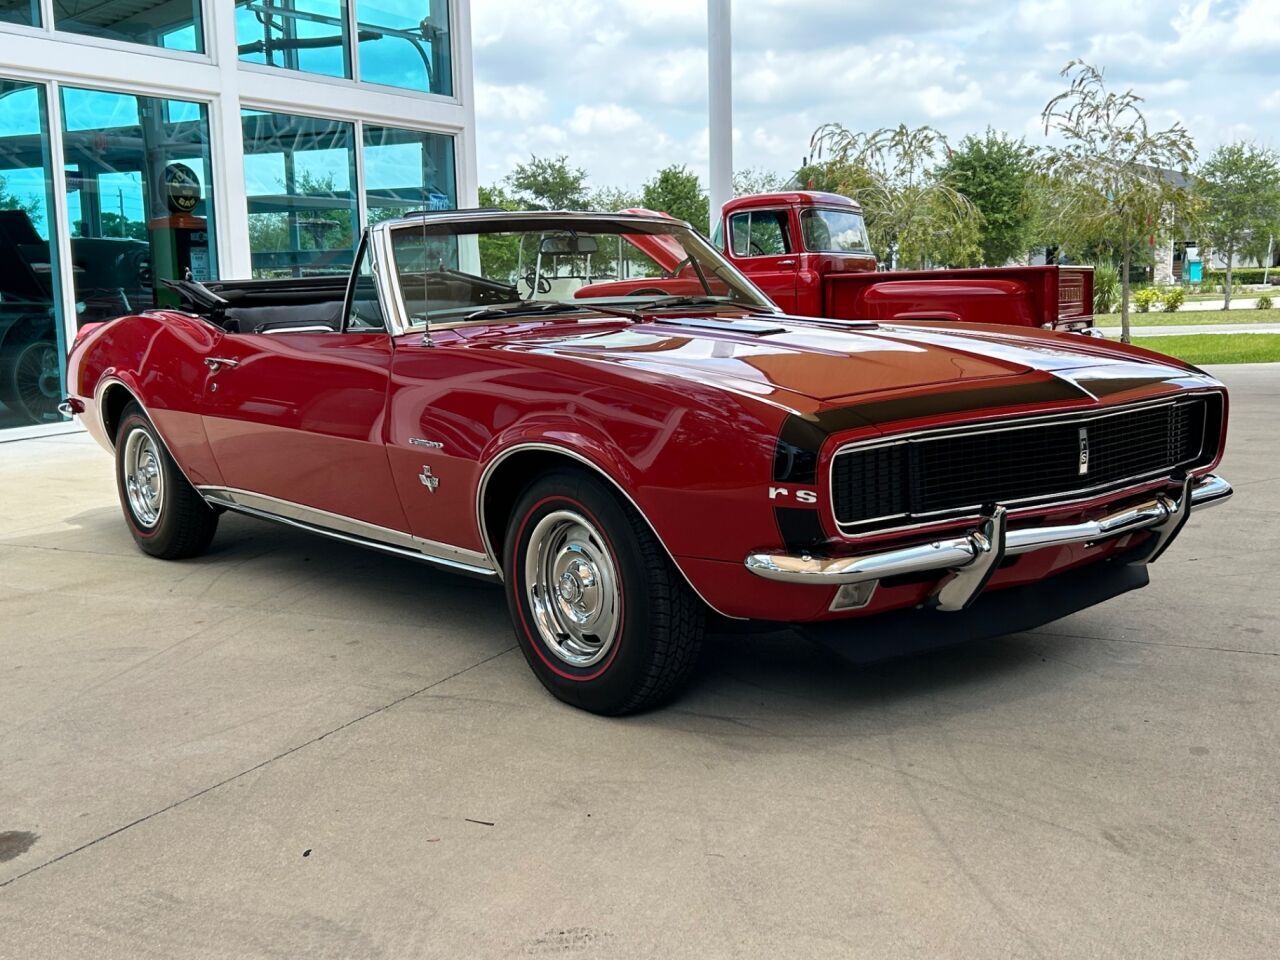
(629, 465)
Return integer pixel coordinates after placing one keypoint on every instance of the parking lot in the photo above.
(297, 748)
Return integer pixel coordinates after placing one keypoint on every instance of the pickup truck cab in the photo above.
(809, 252)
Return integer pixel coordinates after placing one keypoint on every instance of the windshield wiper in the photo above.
(691, 301)
(530, 307)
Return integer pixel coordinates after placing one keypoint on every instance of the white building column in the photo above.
(230, 204)
(720, 105)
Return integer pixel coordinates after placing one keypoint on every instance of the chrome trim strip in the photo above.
(350, 530)
(955, 553)
(1002, 426)
(573, 454)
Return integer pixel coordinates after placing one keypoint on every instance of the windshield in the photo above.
(834, 231)
(465, 269)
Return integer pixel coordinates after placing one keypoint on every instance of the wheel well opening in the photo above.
(507, 482)
(114, 400)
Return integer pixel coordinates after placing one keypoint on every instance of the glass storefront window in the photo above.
(300, 179)
(172, 24)
(139, 198)
(308, 35)
(407, 170)
(405, 43)
(25, 12)
(32, 343)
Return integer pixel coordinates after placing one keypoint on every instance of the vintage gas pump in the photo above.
(180, 240)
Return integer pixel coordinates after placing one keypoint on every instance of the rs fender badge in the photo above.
(429, 480)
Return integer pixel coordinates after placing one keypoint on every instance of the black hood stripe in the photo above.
(801, 437)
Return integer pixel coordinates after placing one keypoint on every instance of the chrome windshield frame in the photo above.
(400, 322)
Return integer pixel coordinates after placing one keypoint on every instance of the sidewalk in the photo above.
(1185, 329)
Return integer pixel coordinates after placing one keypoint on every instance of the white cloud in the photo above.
(938, 102)
(518, 101)
(607, 119)
(622, 88)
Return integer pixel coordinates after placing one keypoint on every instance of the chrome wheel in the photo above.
(143, 477)
(573, 589)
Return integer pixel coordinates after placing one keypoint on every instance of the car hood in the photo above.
(777, 357)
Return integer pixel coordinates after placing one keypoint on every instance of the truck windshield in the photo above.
(834, 231)
(459, 270)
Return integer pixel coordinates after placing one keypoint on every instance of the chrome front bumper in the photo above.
(972, 558)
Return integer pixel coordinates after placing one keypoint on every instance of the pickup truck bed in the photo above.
(1019, 296)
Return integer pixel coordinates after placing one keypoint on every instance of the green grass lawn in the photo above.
(1190, 317)
(1203, 348)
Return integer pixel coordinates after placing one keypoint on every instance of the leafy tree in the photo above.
(322, 230)
(499, 255)
(677, 191)
(32, 206)
(1110, 177)
(753, 180)
(549, 184)
(495, 196)
(612, 199)
(998, 174)
(1239, 187)
(914, 215)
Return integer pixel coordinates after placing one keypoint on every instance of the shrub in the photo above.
(1145, 299)
(1264, 302)
(1106, 288)
(1173, 298)
(1244, 275)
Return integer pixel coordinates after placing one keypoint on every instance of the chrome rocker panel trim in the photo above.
(981, 548)
(346, 529)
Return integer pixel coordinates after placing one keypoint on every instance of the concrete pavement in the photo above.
(295, 748)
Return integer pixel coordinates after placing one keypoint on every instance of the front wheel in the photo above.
(602, 616)
(165, 514)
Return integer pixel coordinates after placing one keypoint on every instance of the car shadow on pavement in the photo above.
(740, 675)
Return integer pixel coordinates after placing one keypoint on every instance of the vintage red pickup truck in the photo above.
(808, 251)
(627, 464)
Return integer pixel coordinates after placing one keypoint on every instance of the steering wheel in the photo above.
(756, 248)
(543, 285)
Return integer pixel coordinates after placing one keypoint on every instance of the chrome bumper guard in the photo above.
(972, 558)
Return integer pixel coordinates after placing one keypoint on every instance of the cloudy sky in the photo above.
(620, 86)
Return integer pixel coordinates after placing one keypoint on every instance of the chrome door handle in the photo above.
(217, 363)
(786, 263)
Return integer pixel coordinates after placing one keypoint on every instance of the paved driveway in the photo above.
(292, 748)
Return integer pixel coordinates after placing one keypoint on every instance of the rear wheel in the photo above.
(165, 514)
(602, 616)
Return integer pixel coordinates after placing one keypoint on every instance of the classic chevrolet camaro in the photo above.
(631, 463)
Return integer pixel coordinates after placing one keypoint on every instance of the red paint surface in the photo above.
(684, 420)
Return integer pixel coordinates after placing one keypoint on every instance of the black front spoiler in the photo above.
(994, 614)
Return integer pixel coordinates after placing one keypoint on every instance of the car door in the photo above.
(761, 245)
(298, 416)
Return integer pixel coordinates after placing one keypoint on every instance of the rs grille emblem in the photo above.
(1084, 450)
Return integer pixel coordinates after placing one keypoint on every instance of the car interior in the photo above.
(304, 305)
